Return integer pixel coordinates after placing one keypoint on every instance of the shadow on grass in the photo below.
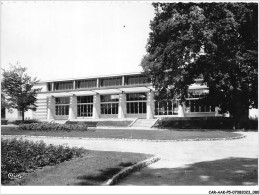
(230, 171)
(103, 175)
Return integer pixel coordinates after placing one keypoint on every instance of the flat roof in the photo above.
(92, 77)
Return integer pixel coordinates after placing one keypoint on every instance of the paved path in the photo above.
(173, 154)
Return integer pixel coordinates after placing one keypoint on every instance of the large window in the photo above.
(109, 104)
(63, 85)
(49, 88)
(195, 105)
(136, 80)
(194, 102)
(166, 107)
(62, 105)
(136, 103)
(85, 106)
(86, 83)
(106, 82)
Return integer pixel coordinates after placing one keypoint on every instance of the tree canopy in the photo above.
(17, 89)
(218, 41)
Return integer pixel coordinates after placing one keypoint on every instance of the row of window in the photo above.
(171, 107)
(92, 83)
(135, 104)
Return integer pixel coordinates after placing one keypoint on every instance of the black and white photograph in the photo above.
(129, 97)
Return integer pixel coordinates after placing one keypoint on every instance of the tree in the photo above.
(218, 41)
(17, 89)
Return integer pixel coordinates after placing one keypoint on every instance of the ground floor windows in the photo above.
(136, 107)
(109, 108)
(194, 105)
(109, 104)
(62, 105)
(85, 110)
(85, 106)
(136, 103)
(166, 107)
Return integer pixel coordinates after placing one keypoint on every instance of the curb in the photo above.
(128, 170)
(121, 139)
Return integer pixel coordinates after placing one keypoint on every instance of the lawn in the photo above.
(124, 134)
(222, 172)
(94, 168)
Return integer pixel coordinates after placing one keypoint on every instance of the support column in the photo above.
(122, 105)
(96, 106)
(73, 108)
(50, 108)
(150, 105)
(181, 109)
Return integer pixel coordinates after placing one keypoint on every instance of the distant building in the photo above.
(114, 96)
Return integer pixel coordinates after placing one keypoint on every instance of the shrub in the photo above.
(45, 126)
(3, 122)
(18, 122)
(22, 155)
(85, 123)
(204, 123)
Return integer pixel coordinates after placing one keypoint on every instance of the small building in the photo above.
(115, 96)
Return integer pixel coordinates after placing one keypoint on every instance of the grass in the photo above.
(94, 168)
(124, 134)
(223, 172)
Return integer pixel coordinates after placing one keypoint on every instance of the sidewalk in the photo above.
(232, 162)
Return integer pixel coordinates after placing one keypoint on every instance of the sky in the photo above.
(59, 40)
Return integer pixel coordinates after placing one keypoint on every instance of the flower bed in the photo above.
(44, 126)
(22, 155)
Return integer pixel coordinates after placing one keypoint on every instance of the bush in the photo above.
(22, 155)
(204, 123)
(18, 122)
(102, 123)
(45, 126)
(3, 122)
(85, 123)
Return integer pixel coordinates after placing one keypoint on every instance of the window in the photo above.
(106, 82)
(86, 83)
(136, 103)
(63, 85)
(62, 105)
(85, 106)
(136, 80)
(109, 104)
(136, 97)
(49, 87)
(166, 107)
(194, 104)
(109, 98)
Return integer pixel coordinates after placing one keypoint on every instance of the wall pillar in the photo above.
(96, 106)
(122, 105)
(181, 109)
(50, 108)
(150, 105)
(73, 108)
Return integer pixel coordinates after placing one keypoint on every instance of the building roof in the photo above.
(92, 77)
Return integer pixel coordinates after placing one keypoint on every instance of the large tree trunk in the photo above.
(23, 115)
(241, 111)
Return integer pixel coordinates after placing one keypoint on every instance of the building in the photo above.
(116, 96)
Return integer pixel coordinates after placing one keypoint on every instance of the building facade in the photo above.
(112, 97)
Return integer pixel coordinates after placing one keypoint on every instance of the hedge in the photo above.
(45, 126)
(19, 156)
(18, 122)
(102, 123)
(3, 122)
(204, 123)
